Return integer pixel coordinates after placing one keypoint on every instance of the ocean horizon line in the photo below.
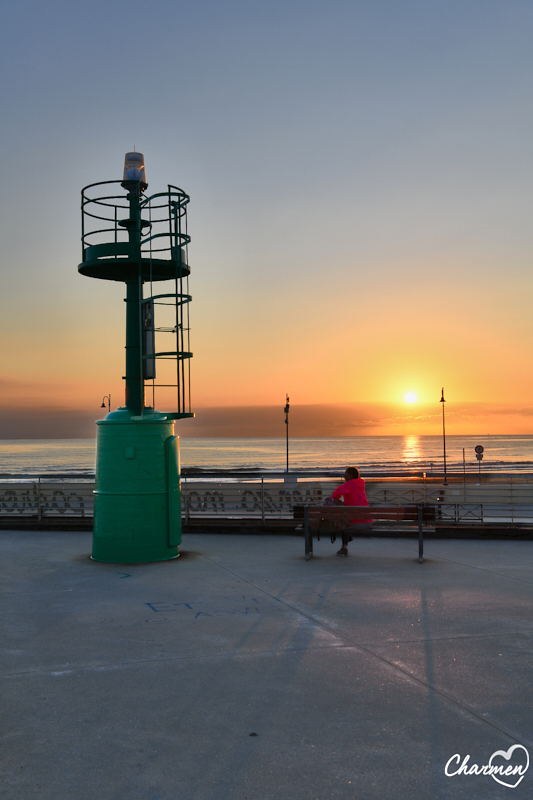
(291, 437)
(379, 453)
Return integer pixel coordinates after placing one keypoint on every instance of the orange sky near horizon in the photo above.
(252, 353)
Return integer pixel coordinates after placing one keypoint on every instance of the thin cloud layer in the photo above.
(327, 419)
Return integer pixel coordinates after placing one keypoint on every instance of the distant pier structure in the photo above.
(141, 241)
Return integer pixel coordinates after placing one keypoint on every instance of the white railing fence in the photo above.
(263, 499)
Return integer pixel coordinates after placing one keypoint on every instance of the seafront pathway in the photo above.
(242, 672)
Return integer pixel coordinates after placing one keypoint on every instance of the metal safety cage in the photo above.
(165, 315)
(143, 241)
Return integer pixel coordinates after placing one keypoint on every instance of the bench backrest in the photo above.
(391, 513)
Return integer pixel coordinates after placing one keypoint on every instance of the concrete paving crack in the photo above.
(385, 661)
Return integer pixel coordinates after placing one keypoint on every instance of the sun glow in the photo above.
(410, 397)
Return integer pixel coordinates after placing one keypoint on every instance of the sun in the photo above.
(410, 397)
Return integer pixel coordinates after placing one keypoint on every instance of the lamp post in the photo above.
(286, 412)
(442, 400)
(108, 398)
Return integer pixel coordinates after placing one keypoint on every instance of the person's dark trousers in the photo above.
(359, 527)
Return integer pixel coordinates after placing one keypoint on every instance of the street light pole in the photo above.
(108, 398)
(286, 412)
(442, 400)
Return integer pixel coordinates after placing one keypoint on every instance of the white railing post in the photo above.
(185, 500)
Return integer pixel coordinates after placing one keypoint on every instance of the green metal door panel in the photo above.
(131, 504)
(174, 491)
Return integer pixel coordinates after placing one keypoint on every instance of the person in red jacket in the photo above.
(353, 494)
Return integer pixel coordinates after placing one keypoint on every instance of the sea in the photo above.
(374, 455)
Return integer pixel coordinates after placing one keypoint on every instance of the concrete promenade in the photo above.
(242, 672)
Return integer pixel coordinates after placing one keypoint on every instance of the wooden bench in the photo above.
(337, 518)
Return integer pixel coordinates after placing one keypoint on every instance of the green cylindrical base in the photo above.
(136, 510)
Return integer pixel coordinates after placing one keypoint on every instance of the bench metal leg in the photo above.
(308, 537)
(420, 534)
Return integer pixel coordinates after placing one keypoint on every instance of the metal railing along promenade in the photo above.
(269, 498)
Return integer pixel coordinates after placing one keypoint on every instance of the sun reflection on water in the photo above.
(411, 448)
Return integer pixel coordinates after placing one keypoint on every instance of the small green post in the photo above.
(137, 515)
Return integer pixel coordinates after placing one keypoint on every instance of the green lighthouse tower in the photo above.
(141, 241)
